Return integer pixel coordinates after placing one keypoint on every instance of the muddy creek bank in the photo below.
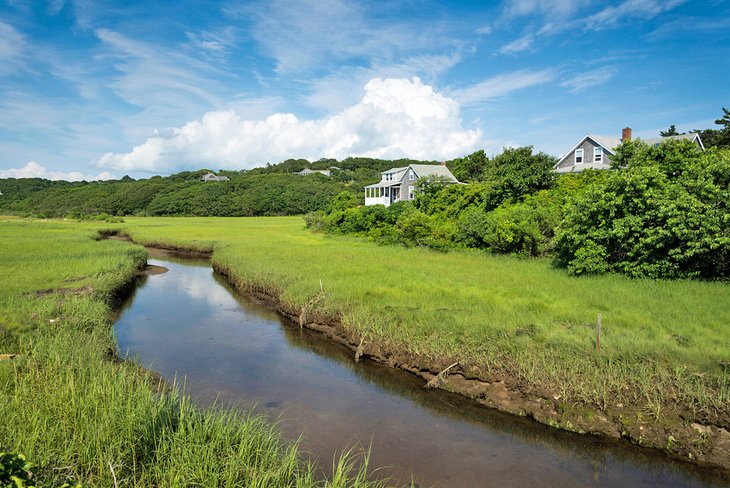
(188, 323)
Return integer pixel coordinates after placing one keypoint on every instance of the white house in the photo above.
(398, 184)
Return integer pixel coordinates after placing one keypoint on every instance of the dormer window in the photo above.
(579, 156)
(388, 176)
(597, 154)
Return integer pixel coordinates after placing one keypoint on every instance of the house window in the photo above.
(411, 175)
(410, 193)
(579, 156)
(597, 154)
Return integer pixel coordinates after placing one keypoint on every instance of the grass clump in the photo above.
(80, 416)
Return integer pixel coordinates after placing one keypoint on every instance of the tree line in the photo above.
(269, 190)
(663, 212)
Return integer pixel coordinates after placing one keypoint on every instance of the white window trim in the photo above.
(597, 154)
(579, 154)
(411, 175)
(410, 192)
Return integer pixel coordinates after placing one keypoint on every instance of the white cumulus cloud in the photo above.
(35, 170)
(396, 118)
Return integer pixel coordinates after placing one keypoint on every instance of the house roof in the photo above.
(606, 142)
(584, 166)
(395, 170)
(213, 177)
(423, 170)
(692, 136)
(383, 184)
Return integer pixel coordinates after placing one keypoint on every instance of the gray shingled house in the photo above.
(398, 184)
(595, 152)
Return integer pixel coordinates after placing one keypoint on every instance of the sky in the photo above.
(101, 89)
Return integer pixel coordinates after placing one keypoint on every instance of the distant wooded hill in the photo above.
(269, 190)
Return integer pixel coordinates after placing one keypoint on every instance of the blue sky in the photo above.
(100, 89)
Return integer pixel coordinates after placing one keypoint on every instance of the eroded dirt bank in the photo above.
(675, 434)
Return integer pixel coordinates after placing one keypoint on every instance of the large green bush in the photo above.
(657, 218)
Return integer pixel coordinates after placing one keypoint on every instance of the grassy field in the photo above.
(79, 415)
(664, 344)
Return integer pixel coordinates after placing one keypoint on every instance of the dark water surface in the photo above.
(187, 323)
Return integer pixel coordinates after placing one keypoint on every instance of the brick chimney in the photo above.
(626, 134)
(443, 163)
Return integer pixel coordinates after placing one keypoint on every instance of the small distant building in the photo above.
(307, 171)
(399, 184)
(595, 152)
(213, 177)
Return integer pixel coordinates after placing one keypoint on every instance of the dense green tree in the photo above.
(672, 156)
(517, 172)
(469, 168)
(672, 131)
(650, 220)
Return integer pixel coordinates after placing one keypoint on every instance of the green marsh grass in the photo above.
(77, 414)
(662, 342)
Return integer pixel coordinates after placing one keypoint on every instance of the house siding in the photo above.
(588, 146)
(401, 182)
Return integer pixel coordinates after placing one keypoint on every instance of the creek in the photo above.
(188, 325)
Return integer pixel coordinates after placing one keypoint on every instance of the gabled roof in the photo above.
(692, 136)
(395, 170)
(608, 144)
(423, 170)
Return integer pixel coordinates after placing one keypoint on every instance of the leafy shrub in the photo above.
(652, 220)
(15, 471)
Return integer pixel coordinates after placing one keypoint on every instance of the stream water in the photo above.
(188, 323)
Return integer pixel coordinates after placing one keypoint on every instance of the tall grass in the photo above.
(663, 342)
(79, 415)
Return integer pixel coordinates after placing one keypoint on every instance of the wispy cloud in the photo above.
(719, 26)
(484, 30)
(630, 10)
(12, 48)
(559, 16)
(151, 73)
(518, 45)
(589, 79)
(213, 44)
(502, 85)
(559, 8)
(304, 35)
(35, 170)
